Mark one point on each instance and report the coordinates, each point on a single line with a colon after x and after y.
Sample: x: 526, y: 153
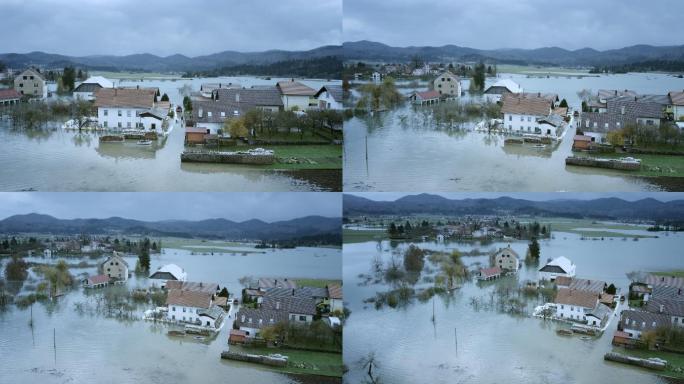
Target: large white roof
x: 104, y: 83
x: 175, y: 270
x: 562, y: 262
x: 509, y: 84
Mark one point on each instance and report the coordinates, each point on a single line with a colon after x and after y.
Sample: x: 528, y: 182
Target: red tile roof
x: 428, y: 95
x: 584, y: 299
x: 334, y: 291
x: 537, y: 106
x: 9, y: 94
x: 489, y: 272
x: 98, y: 279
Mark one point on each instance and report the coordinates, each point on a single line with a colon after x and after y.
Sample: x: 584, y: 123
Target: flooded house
x: 299, y: 310
x: 531, y: 114
x: 31, y: 83
x: 296, y: 95
x: 677, y: 104
x: 496, y: 91
x: 424, y: 98
x: 86, y: 90
x: 9, y: 97
x: 190, y: 307
x: 97, y: 281
x: 573, y: 283
x: 575, y: 305
x: 169, y: 272
x: 447, y: 84
x: 252, y: 321
x: 130, y: 108
x: 335, y: 298
x: 507, y: 259
x: 634, y: 323
x: 115, y: 267
x: 210, y: 115
x: 560, y: 266
x: 330, y: 97
x: 485, y: 274
x: 620, y: 112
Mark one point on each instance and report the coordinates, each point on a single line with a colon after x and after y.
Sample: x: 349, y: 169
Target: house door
x: 154, y: 126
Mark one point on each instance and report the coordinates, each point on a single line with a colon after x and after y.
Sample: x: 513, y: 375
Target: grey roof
x: 635, y: 108
x: 250, y: 97
x: 159, y: 113
x: 666, y: 306
x: 290, y: 304
x: 88, y: 87
x: 600, y: 312
x: 201, y: 111
x: 643, y: 321
x: 658, y: 99
x: 668, y: 292
x: 333, y: 90
x: 214, y: 312
x: 605, y: 94
x: 251, y: 317
x: 671, y: 281
x: 267, y: 282
x: 303, y: 292
x: 552, y: 119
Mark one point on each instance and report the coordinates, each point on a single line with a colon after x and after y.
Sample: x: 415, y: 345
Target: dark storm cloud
x: 169, y: 206
x: 491, y: 24
x: 189, y: 27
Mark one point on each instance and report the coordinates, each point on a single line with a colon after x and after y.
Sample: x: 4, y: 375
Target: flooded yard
x: 404, y: 150
x: 51, y: 159
x: 470, y: 340
x: 136, y: 350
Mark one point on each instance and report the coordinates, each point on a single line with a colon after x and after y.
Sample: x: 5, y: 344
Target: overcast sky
x: 189, y: 27
x: 182, y: 206
x: 491, y: 24
x: 540, y: 196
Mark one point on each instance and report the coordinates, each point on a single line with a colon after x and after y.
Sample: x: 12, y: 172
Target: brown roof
x: 582, y: 138
x: 295, y: 88
x: 192, y: 286
x: 334, y: 291
x: 584, y: 299
x: 194, y: 299
x: 98, y: 279
x: 677, y: 98
x: 221, y: 301
x: 607, y: 298
x: 536, y: 106
x: 9, y: 94
x: 561, y: 111
x: 574, y: 283
x: 488, y: 272
x: 428, y: 95
x: 125, y: 97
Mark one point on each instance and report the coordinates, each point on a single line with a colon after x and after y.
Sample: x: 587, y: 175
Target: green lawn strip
x: 361, y: 236
x: 300, y: 361
x: 675, y: 360
x: 598, y: 234
x: 198, y: 245
x: 675, y: 273
x: 672, y: 166
x: 318, y: 283
x: 580, y: 227
x: 530, y: 70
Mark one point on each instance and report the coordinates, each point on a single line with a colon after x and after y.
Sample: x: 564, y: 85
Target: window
x: 302, y: 318
x: 223, y: 114
x: 118, y: 111
x: 522, y: 118
x: 128, y: 124
x: 128, y: 113
x: 105, y: 124
x: 510, y: 126
x: 529, y: 118
x: 105, y: 112
x: 510, y: 117
x: 21, y: 85
x: 209, y: 113
x: 183, y: 310
x: 173, y: 309
x: 118, y: 124
x: 31, y: 77
x: 606, y: 125
x: 25, y: 77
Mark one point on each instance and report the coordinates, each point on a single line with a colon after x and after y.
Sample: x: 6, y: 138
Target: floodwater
x: 403, y: 150
x: 92, y: 348
x: 469, y: 345
x: 52, y: 159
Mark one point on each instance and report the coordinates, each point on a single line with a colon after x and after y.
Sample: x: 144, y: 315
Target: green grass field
x: 675, y: 360
x: 361, y: 236
x: 581, y: 227
x: 318, y: 283
x: 539, y: 71
x: 198, y: 245
x: 302, y: 362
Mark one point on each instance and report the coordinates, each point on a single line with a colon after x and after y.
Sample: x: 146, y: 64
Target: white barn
x: 560, y: 266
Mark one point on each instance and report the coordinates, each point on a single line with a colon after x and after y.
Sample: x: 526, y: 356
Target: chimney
x: 622, y: 110
x: 293, y: 291
x: 200, y: 112
x: 243, y: 318
x: 662, y: 308
x: 278, y: 305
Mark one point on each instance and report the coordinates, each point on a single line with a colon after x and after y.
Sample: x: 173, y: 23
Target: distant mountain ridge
x: 172, y: 63
x: 604, y: 208
x: 304, y: 227
x: 370, y: 50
